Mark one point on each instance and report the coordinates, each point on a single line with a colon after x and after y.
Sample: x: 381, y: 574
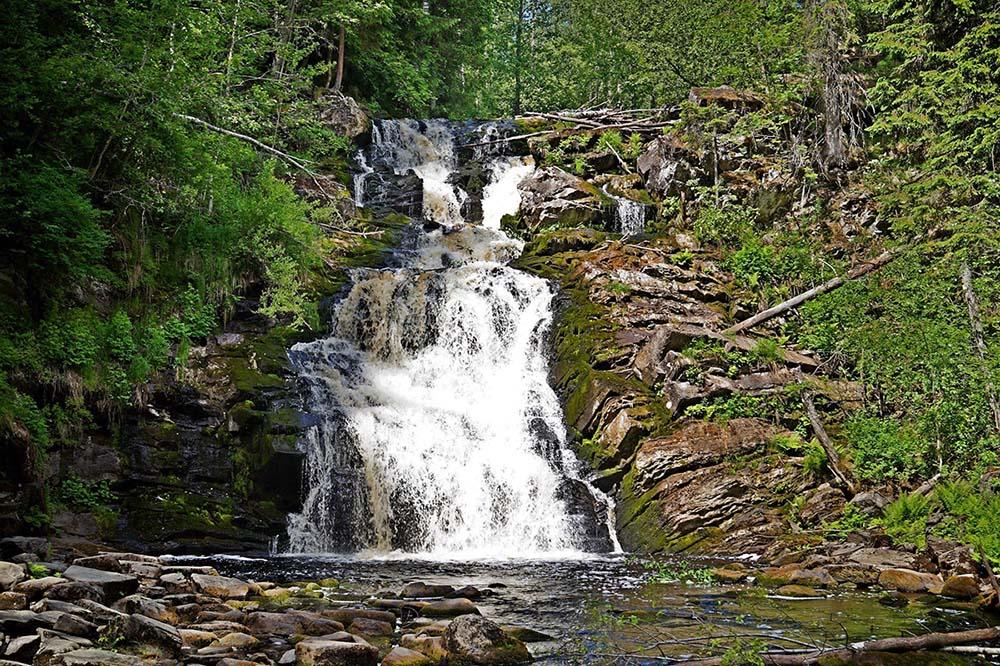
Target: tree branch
x: 295, y: 162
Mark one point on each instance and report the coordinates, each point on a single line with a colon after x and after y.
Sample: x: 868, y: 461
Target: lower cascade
x: 438, y: 433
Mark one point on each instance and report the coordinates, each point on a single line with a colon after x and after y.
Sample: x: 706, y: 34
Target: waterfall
x: 438, y: 431
x: 630, y: 215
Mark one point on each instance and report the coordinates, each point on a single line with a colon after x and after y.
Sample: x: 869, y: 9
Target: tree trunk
x: 518, y: 45
x: 341, y: 47
x: 979, y: 341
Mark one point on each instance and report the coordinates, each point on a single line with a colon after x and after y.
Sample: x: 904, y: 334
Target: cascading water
x: 439, y: 433
x: 630, y: 216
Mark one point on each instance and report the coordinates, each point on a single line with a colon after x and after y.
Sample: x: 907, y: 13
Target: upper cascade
x: 438, y: 433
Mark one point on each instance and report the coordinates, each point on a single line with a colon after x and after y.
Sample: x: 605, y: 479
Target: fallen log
x: 832, y: 457
x: 925, y: 642
x: 829, y: 285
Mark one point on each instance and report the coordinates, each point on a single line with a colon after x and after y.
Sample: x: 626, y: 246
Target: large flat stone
x: 113, y: 585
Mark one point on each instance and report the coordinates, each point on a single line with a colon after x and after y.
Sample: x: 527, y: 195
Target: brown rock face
x: 907, y: 580
x: 965, y: 586
x: 552, y: 196
x: 473, y: 639
x: 344, y: 115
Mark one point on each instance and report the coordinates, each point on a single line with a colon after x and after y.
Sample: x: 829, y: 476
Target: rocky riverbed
x: 125, y: 608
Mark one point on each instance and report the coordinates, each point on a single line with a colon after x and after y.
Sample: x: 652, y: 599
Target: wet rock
x: 797, y: 591
x: 13, y: 601
x: 474, y: 639
x: 794, y: 574
x: 467, y: 592
x: 344, y: 650
x: 347, y: 615
x: 343, y: 115
x: 963, y: 586
x: 730, y: 575
x: 419, y: 589
x: 907, y: 580
x: 10, y: 575
x: 112, y: 585
x: 220, y: 586
x: 367, y: 627
x: 449, y: 608
x: 526, y: 635
x: 857, y: 574
x: 291, y: 623
x: 401, y: 656
x: 94, y: 657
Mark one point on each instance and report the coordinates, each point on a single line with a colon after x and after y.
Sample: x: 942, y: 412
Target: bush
x: 905, y: 520
x: 886, y: 450
x: 971, y: 516
x: 726, y: 224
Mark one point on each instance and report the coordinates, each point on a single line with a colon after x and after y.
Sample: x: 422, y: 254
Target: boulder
x: 291, y: 623
x: 20, y: 622
x: 143, y: 630
x: 176, y: 583
x: 137, y: 603
x: 963, y: 586
x: 324, y: 651
x: 794, y: 574
x: 449, y: 608
x: 13, y: 601
x: 467, y: 592
x: 431, y: 646
x: 418, y: 590
x: 907, y: 580
x: 367, y: 627
x: 554, y: 197
x: 112, y: 585
x: 401, y: 656
x: 22, y: 648
x: 94, y: 657
x: 800, y: 591
x: 476, y: 640
x: 100, y: 612
x: 10, y: 575
x: 857, y: 574
x: 74, y: 591
x: 666, y: 166
x: 220, y: 586
x: 238, y: 640
x: 75, y: 626
x: 34, y: 588
x: 343, y: 115
x: 526, y: 635
x: 347, y: 615
x: 824, y: 503
x: 197, y: 639
x: 52, y: 645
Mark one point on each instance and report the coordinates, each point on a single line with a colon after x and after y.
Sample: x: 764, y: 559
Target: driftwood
x: 978, y: 339
x: 934, y: 641
x: 832, y: 457
x: 853, y: 274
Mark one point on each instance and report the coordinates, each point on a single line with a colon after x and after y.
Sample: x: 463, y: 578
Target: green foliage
x: 905, y: 520
x: 85, y: 495
x: 852, y: 520
x: 36, y: 570
x: 744, y: 653
x: 677, y: 572
x: 971, y: 516
x: 885, y: 449
x: 724, y: 225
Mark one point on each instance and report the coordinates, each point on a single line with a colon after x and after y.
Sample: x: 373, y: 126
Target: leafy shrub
x: 884, y: 449
x: 85, y: 495
x: 724, y: 225
x: 971, y: 516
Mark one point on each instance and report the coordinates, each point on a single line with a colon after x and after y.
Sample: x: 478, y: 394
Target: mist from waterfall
x: 438, y: 432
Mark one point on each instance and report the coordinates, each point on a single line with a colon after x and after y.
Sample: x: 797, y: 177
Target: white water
x: 439, y: 432
x: 501, y: 197
x: 630, y: 216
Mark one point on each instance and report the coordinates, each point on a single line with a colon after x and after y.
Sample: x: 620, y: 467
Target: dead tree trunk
x: 979, y: 341
x: 341, y: 47
x: 832, y: 457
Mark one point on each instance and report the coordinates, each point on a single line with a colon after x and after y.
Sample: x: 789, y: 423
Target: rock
x: 20, y: 622
x: 797, y: 591
x: 75, y: 626
x: 34, y: 588
x: 367, y: 627
x: 220, y: 586
x: 229, y: 661
x: 137, y: 603
x: 196, y: 638
x: 112, y: 585
x: 219, y: 627
x: 343, y: 115
x: 526, y: 635
x: 13, y: 601
x: 418, y: 590
x: 449, y: 608
x: 907, y: 580
x: 858, y: 574
x: 99, y: 611
x: 94, y: 657
x: 474, y: 639
x: 22, y: 648
x: 467, y: 592
x: 870, y: 503
x: 52, y: 645
x: 291, y: 623
x: 885, y: 558
x: 10, y: 575
x: 347, y: 615
x: 287, y: 658
x: 554, y: 197
x: 326, y: 652
x: 963, y: 586
x: 667, y: 165
x: 176, y: 583
x: 431, y: 646
x: 728, y: 575
x: 146, y: 631
x: 824, y: 503
x: 238, y: 640
x: 74, y: 591
x: 794, y: 574
x: 401, y: 656
x: 115, y: 562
